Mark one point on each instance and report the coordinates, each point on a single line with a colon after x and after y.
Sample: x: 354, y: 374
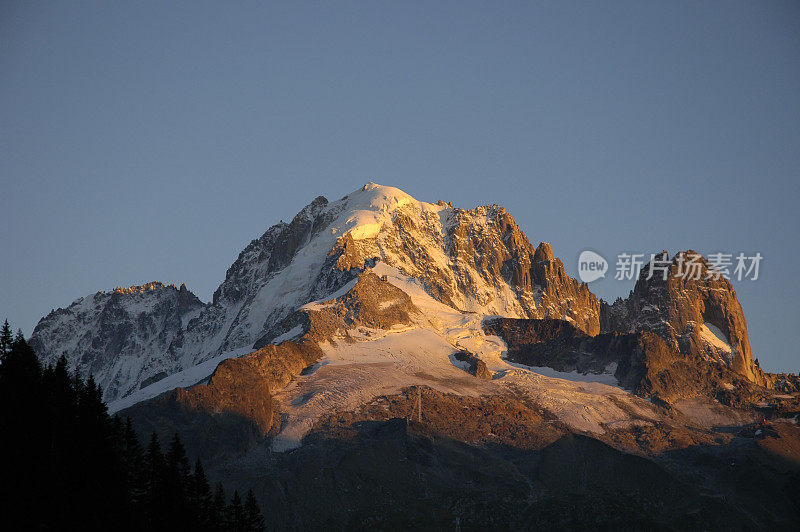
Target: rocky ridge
x: 122, y: 337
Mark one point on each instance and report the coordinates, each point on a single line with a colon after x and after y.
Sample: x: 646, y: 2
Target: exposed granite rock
x: 543, y: 287
x: 677, y: 309
x: 562, y: 296
x: 372, y: 303
x: 544, y: 253
x: 641, y: 361
x: 475, y: 259
x: 229, y: 314
x: 234, y: 409
x: 558, y: 344
x: 780, y: 382
x: 474, y: 365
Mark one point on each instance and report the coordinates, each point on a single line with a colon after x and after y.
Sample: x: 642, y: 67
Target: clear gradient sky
x: 148, y: 141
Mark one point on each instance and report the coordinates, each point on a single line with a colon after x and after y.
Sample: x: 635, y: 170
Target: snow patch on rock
x: 713, y: 336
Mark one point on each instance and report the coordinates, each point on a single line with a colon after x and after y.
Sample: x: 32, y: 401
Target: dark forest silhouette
x: 67, y: 464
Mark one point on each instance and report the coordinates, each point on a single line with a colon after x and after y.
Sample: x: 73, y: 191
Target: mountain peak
x: 366, y: 211
x: 543, y: 253
x: 473, y: 260
x: 691, y: 308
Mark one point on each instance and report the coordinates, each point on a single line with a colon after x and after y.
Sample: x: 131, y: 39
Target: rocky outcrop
x: 640, y: 361
x: 558, y: 344
x: 371, y: 302
x: 473, y: 365
x: 780, y: 382
x: 476, y: 260
x: 259, y: 289
x: 501, y: 253
x: 563, y: 297
x: 693, y: 309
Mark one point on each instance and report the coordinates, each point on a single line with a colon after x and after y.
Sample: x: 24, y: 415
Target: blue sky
x: 143, y: 141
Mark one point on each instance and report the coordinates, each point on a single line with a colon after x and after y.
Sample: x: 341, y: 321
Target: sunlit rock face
x: 474, y: 260
x: 698, y: 314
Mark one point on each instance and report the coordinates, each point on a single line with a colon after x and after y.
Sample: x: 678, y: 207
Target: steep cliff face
x: 124, y: 337
x: 562, y: 296
x: 474, y: 260
x: 694, y: 310
x: 275, y: 274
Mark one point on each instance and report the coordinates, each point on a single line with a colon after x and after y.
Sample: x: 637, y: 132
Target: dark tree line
x: 65, y: 463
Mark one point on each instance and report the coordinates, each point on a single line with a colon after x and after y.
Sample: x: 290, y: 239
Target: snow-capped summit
x: 474, y: 260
